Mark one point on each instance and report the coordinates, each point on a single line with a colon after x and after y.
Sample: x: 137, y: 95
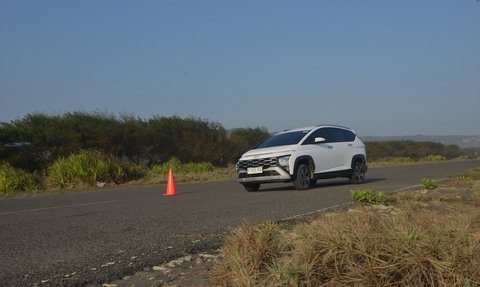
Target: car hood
x: 269, y: 152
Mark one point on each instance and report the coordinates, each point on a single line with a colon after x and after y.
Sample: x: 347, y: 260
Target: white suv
x: 304, y: 155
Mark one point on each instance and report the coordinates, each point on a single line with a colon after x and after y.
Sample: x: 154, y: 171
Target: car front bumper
x: 269, y: 175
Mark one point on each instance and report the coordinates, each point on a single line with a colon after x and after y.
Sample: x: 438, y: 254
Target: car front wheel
x: 302, y: 177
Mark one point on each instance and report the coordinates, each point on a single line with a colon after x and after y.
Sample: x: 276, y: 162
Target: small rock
x: 101, y: 184
x: 160, y: 268
x: 187, y: 258
x: 174, y: 263
x: 109, y: 285
x: 207, y: 256
x: 108, y: 264
x: 382, y: 207
x: 198, y: 261
x: 133, y: 257
x: 44, y: 281
x: 126, y: 278
x: 93, y: 269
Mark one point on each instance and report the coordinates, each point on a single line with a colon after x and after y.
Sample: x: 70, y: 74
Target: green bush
x: 433, y: 158
x: 90, y: 167
x: 429, y: 183
x: 180, y: 168
x: 368, y: 195
x: 16, y: 180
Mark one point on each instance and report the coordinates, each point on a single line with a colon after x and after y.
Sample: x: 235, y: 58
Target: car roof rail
x: 335, y: 126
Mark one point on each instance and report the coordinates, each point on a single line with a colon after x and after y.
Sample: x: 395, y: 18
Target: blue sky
x: 381, y: 67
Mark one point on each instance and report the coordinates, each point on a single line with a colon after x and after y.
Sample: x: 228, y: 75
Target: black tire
x: 251, y: 186
x: 358, y: 172
x: 302, y: 177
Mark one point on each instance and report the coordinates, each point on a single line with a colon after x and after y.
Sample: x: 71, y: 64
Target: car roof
x: 314, y: 127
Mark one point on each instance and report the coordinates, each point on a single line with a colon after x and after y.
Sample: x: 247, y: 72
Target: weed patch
x: 16, y: 180
x: 428, y: 183
x: 460, y: 182
x: 368, y: 195
x: 474, y: 173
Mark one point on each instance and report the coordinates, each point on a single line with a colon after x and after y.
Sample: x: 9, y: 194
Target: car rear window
x: 349, y: 136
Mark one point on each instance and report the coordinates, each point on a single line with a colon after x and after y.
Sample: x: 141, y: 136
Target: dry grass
x: 422, y: 238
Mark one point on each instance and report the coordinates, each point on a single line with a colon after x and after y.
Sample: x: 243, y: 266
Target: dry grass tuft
x: 248, y: 253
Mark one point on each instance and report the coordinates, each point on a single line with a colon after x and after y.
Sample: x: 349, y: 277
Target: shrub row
x: 37, y: 140
x: 89, y: 168
x: 411, y: 151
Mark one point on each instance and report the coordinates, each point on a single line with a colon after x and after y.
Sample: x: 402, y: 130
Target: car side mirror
x: 320, y: 140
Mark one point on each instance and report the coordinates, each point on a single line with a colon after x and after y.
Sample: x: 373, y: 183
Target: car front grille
x: 263, y: 162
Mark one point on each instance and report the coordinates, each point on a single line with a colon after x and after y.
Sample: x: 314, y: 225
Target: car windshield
x: 283, y: 139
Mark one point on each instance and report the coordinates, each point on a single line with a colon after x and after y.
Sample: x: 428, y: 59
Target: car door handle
x: 330, y: 146
x: 350, y: 144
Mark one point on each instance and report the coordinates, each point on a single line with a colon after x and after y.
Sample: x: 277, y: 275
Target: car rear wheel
x: 251, y: 186
x: 302, y: 177
x: 358, y: 173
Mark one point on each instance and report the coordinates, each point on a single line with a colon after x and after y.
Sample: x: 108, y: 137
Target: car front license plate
x: 254, y: 170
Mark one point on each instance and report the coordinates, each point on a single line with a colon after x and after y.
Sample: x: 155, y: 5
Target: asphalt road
x: 84, y: 237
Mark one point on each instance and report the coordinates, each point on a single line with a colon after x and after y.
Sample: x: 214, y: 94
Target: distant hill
x: 461, y: 141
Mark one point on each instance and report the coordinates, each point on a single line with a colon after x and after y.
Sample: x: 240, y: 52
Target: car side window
x: 336, y: 135
x: 320, y: 133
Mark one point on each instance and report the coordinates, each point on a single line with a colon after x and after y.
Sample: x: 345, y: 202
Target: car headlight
x: 283, y: 162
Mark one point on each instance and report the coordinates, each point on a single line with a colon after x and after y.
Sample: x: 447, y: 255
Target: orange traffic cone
x: 171, y: 190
